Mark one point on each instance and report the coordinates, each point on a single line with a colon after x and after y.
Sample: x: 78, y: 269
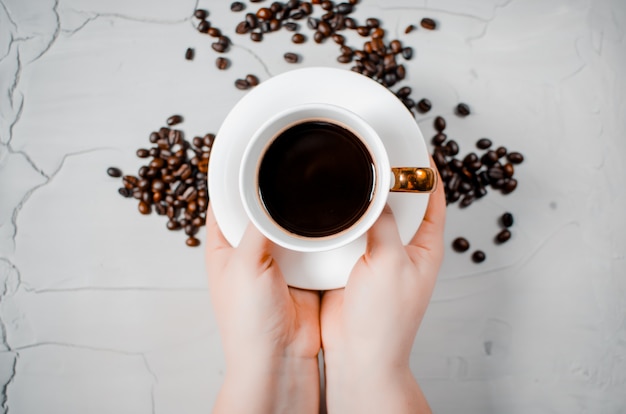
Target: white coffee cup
x: 384, y: 178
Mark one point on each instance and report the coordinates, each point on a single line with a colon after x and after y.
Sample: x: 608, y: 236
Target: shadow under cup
x: 315, y: 177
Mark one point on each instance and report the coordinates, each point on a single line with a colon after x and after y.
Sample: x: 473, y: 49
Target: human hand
x: 368, y: 328
x: 270, y: 332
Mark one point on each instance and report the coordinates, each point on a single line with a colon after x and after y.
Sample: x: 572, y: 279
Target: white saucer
x: 376, y: 104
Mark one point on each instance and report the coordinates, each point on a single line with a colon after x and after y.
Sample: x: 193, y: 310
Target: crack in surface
x: 3, y: 393
x: 49, y: 179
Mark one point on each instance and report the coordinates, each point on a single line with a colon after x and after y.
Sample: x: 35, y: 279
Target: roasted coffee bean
x: 508, y: 170
x: 439, y: 158
x: 173, y: 224
x: 372, y: 22
x: 214, y: 32
x: 252, y: 80
x: 483, y: 143
x: 509, y: 185
x: 174, y: 120
x: 407, y: 53
x: 350, y: 23
x: 144, y: 208
x: 428, y: 23
x: 204, y: 26
x: 275, y: 25
x: 242, y: 84
x: 192, y: 242
x: 200, y: 14
x: 515, y: 157
x: 252, y: 20
x: 462, y: 109
x: 440, y: 123
x: 363, y: 31
x: 424, y: 106
x: 256, y: 36
x: 130, y: 181
x: 344, y: 58
x: 114, y: 172
x: 143, y: 171
x: 409, y: 29
x: 298, y: 38
x: 154, y: 136
x: 312, y: 23
x: 507, y: 220
x: 125, y: 192
x: 219, y: 47
x: 404, y: 92
x: 378, y: 33
x: 242, y: 28
x: 501, y: 151
x: 291, y: 57
x: 264, y: 13
x: 222, y: 63
x: 467, y: 200
x: 478, y: 256
x: 451, y: 148
x: 489, y: 158
x: 344, y: 8
x: 503, y: 236
x: 327, y: 5
x: 460, y: 244
x: 480, y: 191
x: 237, y: 6
x: 465, y: 187
x: 495, y: 173
x: 339, y: 39
x: 291, y: 26
x: 143, y: 153
x: 189, y: 54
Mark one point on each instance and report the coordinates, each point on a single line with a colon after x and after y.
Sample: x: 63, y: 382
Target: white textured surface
x: 102, y: 310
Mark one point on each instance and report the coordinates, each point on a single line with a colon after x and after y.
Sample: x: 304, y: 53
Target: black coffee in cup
x: 316, y: 179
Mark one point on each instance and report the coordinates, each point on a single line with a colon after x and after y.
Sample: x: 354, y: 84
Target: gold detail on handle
x: 414, y: 180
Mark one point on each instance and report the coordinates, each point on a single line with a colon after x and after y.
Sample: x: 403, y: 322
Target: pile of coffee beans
x: 466, y: 178
x: 173, y: 183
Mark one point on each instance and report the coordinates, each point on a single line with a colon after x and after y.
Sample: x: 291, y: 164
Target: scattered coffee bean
x: 114, y: 172
x: 428, y: 23
x: 503, y: 236
x: 483, y: 143
x: 298, y: 38
x: 200, y: 14
x: 189, y: 54
x: 237, y: 6
x: 460, y: 244
x: 144, y: 207
x: 143, y: 153
x: 192, y: 242
x: 291, y: 57
x: 242, y: 84
x: 440, y: 123
x: 478, y: 256
x: 256, y: 36
x: 204, y: 26
x: 409, y: 29
x: 174, y: 120
x: 424, y: 106
x: 252, y: 80
x: 125, y: 192
x: 515, y: 157
x: 462, y: 109
x: 222, y: 63
x: 507, y: 220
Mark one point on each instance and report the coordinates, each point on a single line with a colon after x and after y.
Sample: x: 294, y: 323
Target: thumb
x: 255, y: 249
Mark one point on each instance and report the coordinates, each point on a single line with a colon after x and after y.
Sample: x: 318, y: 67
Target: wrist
x: 279, y: 384
x: 372, y: 386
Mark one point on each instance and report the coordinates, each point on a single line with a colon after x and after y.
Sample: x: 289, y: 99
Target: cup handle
x: 413, y: 180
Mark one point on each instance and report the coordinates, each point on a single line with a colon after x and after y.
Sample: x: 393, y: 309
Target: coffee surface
x: 316, y: 179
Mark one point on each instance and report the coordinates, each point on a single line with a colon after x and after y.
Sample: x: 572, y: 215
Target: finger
x: 215, y: 239
x: 384, y: 233
x: 430, y: 233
